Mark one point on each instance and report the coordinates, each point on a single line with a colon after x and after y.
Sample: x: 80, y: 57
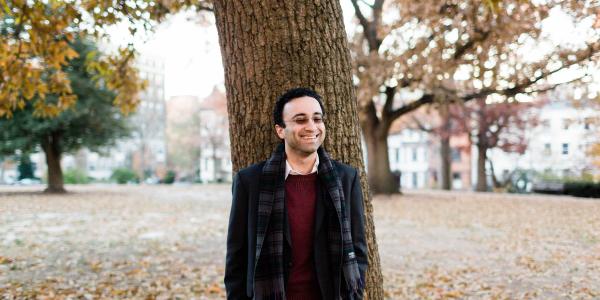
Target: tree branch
x: 421, y: 126
x: 520, y: 88
x: 369, y: 28
x: 390, y: 92
x: 361, y: 18
x: 552, y: 87
x: 204, y: 7
x: 460, y: 51
x: 369, y: 117
x: 367, y: 4
x: 425, y: 99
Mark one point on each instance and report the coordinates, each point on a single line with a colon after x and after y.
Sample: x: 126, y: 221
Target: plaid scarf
x: 269, y: 282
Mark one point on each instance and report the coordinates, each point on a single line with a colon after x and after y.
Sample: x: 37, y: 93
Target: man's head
x: 299, y: 120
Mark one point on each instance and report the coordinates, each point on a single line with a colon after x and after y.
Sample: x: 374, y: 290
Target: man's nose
x: 311, y: 125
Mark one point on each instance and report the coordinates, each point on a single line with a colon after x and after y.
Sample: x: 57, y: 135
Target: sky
x: 193, y: 64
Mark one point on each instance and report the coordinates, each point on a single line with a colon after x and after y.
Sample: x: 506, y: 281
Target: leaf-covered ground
x: 168, y: 242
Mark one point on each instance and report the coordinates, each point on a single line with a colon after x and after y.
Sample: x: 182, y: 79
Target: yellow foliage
x: 37, y: 47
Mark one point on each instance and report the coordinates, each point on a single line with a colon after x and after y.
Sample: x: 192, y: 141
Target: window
x: 398, y: 155
x: 546, y: 123
x: 587, y: 123
x: 455, y: 154
x: 547, y: 149
x: 414, y: 179
x: 414, y: 154
x: 456, y: 181
x: 567, y: 123
x: 565, y: 148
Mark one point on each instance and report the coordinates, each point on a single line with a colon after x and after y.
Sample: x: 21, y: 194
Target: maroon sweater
x: 301, y: 199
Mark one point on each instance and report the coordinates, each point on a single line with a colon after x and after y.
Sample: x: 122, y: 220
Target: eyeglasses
x: 303, y: 121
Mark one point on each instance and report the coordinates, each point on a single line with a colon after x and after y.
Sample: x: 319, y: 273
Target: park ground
x: 168, y: 242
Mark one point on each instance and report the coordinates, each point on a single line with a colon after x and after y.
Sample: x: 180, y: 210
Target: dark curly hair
x: 288, y: 96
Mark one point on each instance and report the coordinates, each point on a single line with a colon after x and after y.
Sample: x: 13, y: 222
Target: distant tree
x: 443, y: 123
x: 36, y: 39
x: 26, y: 167
x: 408, y: 54
x: 497, y: 125
x: 93, y: 122
x: 184, y: 123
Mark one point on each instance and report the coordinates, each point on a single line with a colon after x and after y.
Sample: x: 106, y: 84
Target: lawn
x: 168, y: 242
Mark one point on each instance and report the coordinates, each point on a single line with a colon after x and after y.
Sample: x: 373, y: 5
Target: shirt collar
x: 289, y: 170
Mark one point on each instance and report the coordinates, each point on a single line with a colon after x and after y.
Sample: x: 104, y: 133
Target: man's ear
x: 279, y: 130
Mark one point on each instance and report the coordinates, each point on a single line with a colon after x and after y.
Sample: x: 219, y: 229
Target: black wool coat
x: 241, y: 235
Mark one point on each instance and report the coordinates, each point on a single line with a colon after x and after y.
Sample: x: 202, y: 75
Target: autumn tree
x: 269, y: 47
x: 415, y: 53
x: 35, y: 46
x: 443, y: 122
x: 214, y: 133
x: 93, y: 122
x: 500, y: 125
x: 184, y: 126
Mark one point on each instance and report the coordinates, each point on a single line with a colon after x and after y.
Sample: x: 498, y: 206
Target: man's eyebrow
x: 304, y: 115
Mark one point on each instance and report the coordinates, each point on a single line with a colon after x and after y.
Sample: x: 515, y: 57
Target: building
x: 215, y: 157
x: 198, y: 134
x: 149, y: 149
x: 557, y: 146
x: 183, y: 136
x: 460, y: 165
x: 409, y: 151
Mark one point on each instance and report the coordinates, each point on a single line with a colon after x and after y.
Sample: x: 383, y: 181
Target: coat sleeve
x: 358, y: 228
x: 237, y: 246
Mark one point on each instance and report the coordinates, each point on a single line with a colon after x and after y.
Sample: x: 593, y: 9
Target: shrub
x: 169, y: 177
x: 124, y: 175
x: 75, y: 176
x: 585, y: 189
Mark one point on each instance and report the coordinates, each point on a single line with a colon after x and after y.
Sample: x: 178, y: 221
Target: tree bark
x: 446, y: 156
x: 482, y: 185
x: 2, y: 162
x: 51, y: 147
x: 375, y: 132
x: 446, y: 151
x: 381, y: 178
x: 269, y: 47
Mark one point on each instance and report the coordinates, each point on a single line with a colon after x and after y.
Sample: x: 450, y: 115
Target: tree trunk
x: 446, y: 156
x: 375, y: 132
x: 481, y: 174
x: 51, y: 147
x: 495, y: 182
x: 445, y: 149
x: 269, y: 47
x: 2, y: 162
x: 381, y: 178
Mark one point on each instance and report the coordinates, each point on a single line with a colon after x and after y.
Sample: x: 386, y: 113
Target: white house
x: 409, y: 152
x: 557, y: 146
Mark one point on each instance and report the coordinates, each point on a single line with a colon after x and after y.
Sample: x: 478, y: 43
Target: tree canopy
x: 413, y: 53
x: 92, y: 122
x: 36, y: 43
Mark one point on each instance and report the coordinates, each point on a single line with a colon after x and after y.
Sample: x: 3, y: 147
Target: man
x: 296, y: 228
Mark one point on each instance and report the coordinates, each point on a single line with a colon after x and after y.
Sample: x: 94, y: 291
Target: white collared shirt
x: 289, y: 170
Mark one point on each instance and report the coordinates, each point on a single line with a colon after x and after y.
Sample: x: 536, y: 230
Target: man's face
x: 304, y: 130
